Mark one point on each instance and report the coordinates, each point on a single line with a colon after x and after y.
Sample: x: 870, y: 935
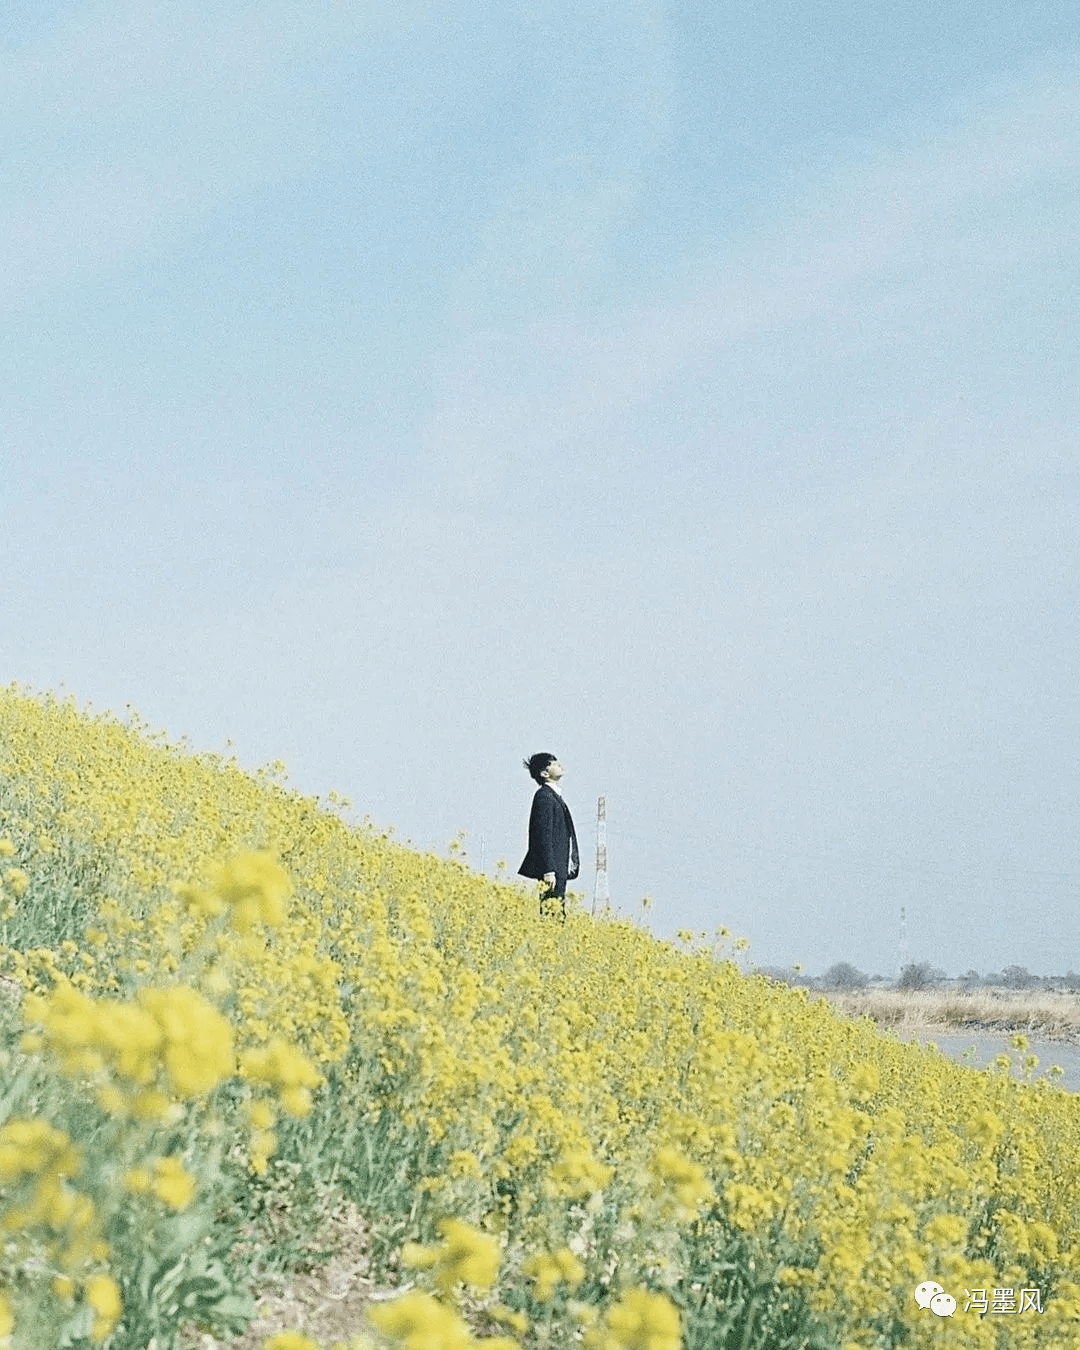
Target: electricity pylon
x: 601, y: 903
x: 902, y: 955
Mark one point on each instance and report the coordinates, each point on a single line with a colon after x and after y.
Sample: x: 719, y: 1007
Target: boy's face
x: 554, y: 771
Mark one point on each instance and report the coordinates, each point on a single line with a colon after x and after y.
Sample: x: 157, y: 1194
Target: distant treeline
x: 923, y: 975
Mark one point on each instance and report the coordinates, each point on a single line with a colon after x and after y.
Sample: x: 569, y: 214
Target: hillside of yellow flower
x: 577, y: 1134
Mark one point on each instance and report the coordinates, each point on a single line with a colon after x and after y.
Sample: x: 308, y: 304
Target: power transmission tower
x: 903, y: 957
x: 601, y: 904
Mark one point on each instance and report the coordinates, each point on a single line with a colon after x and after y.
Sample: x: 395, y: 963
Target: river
x: 989, y: 1044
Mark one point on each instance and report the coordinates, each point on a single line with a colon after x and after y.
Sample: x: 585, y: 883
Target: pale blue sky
x: 689, y: 390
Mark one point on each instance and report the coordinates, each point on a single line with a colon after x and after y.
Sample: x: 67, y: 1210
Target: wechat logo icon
x: 930, y: 1295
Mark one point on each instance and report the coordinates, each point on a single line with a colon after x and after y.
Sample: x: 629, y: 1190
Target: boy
x: 553, y: 847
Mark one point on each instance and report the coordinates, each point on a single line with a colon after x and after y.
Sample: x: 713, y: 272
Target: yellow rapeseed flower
x: 296, y: 1101
x: 199, y: 900
x: 465, y: 1256
x: 198, y: 1050
x: 263, y: 1143
x: 685, y: 1179
x: 289, y: 1340
x: 945, y: 1230
x: 286, y: 1067
x: 549, y: 1270
x: 417, y: 1321
x: 134, y: 1036
x: 137, y: 1180
x: 255, y: 886
x: 463, y: 1163
x: 103, y: 1295
x: 16, y: 881
x: 261, y: 1114
x: 152, y: 1104
x: 29, y: 1147
x: 641, y: 1320
x: 986, y: 1128
x: 111, y: 1099
x: 577, y: 1174
x: 172, y: 1184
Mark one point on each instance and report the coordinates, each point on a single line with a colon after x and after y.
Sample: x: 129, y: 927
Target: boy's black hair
x: 538, y: 763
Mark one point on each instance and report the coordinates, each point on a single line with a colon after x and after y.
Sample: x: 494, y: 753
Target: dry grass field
x: 1048, y: 1013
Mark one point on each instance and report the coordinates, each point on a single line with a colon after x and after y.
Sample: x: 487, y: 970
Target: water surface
x: 989, y: 1044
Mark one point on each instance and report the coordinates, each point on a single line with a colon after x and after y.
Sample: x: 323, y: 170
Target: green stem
x: 744, y: 1344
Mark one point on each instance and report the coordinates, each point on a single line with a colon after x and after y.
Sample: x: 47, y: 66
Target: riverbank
x: 1051, y: 1015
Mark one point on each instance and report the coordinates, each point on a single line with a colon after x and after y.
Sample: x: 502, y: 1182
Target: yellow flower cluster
x: 170, y: 1182
x: 36, y: 1155
x: 103, y: 1295
x: 14, y: 881
x: 549, y: 1270
x: 29, y: 1147
x: 685, y: 1180
x: 175, y: 1030
x: 290, y: 1340
x: 639, y: 1321
x: 253, y: 887
x: 287, y: 1068
x: 465, y: 1256
x: 417, y: 1321
x: 577, y: 1174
